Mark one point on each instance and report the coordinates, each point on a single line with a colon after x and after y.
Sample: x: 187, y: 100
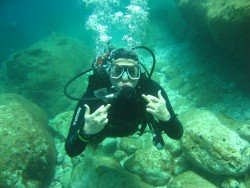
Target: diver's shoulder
x: 150, y: 82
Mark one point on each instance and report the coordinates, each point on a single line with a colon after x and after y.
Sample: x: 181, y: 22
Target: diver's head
x: 124, y: 70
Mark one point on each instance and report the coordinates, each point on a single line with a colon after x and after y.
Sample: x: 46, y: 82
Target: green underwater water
x: 25, y: 22
x: 202, y: 63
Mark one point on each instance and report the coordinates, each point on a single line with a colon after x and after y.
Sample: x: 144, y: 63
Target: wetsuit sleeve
x: 73, y: 145
x: 173, y: 127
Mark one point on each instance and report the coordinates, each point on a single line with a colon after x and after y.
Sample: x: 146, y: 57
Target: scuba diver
x: 120, y: 100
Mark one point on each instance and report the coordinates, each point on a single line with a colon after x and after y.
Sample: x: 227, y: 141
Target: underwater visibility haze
x: 202, y: 51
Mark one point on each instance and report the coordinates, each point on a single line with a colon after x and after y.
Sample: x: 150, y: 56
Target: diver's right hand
x: 96, y: 121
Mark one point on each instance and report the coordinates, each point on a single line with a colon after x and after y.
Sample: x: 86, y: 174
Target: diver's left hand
x: 157, y: 107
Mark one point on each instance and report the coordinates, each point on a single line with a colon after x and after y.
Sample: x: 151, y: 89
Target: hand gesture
x: 157, y: 107
x: 96, y: 121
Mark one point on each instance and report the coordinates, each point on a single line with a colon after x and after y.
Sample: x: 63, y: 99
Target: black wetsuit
x: 124, y: 118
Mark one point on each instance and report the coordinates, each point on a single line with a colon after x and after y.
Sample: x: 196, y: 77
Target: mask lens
x: 116, y: 71
x: 133, y: 72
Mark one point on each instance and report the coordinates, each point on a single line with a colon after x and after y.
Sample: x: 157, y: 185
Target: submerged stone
x: 40, y: 72
x: 213, y: 147
x: 28, y: 156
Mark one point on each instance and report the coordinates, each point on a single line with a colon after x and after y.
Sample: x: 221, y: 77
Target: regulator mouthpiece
x: 127, y: 93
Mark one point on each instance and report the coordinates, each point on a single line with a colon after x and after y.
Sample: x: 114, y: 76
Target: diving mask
x: 116, y: 71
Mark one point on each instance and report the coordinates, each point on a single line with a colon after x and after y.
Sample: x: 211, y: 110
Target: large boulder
x: 212, y: 146
x: 40, y: 72
x: 103, y: 172
x: 27, y: 157
x: 191, y: 180
x: 228, y: 22
x: 152, y: 165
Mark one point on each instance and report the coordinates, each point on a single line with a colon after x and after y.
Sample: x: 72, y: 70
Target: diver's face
x: 124, y: 72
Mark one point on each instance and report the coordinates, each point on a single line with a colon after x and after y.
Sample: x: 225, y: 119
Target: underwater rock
x: 107, y: 147
x: 40, y: 72
x: 119, y: 155
x: 244, y: 132
x: 101, y: 171
x: 152, y: 165
x: 130, y: 145
x: 228, y: 22
x: 191, y: 180
x: 104, y: 176
x: 59, y: 127
x: 231, y: 183
x: 246, y: 180
x: 27, y: 157
x: 212, y: 146
x: 60, y: 124
x: 64, y: 166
